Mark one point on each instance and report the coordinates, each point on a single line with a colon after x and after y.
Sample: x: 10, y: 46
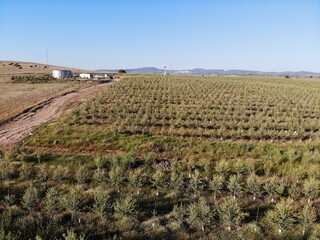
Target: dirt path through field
x: 23, y: 125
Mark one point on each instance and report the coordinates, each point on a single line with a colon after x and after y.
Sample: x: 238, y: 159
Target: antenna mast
x: 47, y: 56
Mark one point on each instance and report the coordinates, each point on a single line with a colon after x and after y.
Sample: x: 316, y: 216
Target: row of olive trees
x: 283, y: 218
x: 199, y: 215
x: 251, y: 118
x: 245, y: 182
x: 74, y: 201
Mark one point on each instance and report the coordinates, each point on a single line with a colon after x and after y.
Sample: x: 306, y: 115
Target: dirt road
x: 23, y: 125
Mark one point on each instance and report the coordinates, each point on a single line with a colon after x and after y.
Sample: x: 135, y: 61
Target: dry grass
x: 14, y: 98
x: 13, y: 67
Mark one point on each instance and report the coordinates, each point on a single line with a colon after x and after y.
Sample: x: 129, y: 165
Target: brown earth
x: 22, y: 126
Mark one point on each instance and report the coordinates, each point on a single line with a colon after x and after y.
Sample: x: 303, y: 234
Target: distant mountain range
x: 200, y: 71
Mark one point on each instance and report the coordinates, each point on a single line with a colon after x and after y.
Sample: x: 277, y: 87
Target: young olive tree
x: 295, y: 191
x: 253, y: 186
x: 176, y: 183
x: 243, y: 167
x: 158, y: 180
x: 30, y: 198
x: 43, y: 174
x: 282, y: 217
x: 82, y: 175
x: 51, y: 200
x: 101, y: 202
x: 73, y: 200
x: 100, y: 161
x: 234, y: 185
x: 274, y: 187
x: 222, y: 168
x: 179, y: 213
x: 8, y: 201
x: 200, y: 214
x: 136, y: 179
x: 251, y: 231
x: 60, y: 173
x: 311, y: 188
x: 230, y: 213
x: 125, y: 206
x: 116, y: 177
x: 195, y: 182
x: 99, y: 176
x: 307, y: 217
x: 71, y: 235
x: 216, y: 185
x: 150, y: 157
x: 26, y: 172
x: 6, y: 168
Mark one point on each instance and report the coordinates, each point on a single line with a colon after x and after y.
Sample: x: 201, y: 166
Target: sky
x: 273, y: 35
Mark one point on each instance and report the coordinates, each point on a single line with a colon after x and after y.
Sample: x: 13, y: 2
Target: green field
x: 173, y: 157
x: 212, y: 108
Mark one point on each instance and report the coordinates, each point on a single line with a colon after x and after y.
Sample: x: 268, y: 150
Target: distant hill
x: 9, y: 68
x: 201, y: 71
x: 145, y: 70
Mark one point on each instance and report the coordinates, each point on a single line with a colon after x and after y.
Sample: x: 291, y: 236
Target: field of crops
x: 129, y: 196
x: 172, y: 157
x: 220, y: 108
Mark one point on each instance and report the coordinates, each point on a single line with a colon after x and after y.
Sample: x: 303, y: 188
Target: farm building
x: 61, y: 73
x: 85, y: 75
x: 93, y: 75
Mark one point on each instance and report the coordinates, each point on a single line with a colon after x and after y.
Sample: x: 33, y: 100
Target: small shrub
x: 30, y: 198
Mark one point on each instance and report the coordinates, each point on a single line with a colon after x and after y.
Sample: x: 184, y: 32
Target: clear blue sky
x: 273, y: 35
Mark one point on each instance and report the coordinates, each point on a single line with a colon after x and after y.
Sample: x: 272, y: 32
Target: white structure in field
x: 85, y: 75
x: 93, y: 76
x: 61, y: 73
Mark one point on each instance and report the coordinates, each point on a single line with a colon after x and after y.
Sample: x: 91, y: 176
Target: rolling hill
x: 201, y: 71
x: 10, y: 68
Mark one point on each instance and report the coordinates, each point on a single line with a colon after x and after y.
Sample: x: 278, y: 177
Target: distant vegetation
x: 43, y: 78
x: 166, y: 157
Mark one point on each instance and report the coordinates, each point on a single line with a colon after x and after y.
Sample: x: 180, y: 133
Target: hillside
x: 10, y: 68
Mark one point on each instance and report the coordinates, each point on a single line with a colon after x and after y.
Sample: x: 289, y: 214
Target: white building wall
x: 56, y: 73
x: 85, y: 75
x: 61, y: 73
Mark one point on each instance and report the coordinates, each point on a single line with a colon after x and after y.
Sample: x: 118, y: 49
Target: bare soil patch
x: 23, y: 125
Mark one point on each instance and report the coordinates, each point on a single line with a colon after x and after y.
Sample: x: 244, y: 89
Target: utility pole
x: 47, y: 57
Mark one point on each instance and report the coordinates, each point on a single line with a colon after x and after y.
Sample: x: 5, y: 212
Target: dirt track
x: 23, y: 125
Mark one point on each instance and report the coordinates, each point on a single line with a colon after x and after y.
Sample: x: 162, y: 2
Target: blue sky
x: 273, y: 35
